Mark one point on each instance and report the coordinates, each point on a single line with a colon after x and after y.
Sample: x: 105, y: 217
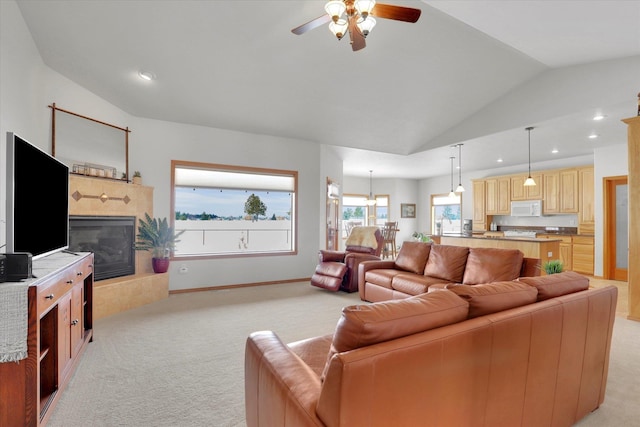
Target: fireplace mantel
x: 108, y: 197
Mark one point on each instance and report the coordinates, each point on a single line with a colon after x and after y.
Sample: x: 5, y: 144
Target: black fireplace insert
x: 110, y: 238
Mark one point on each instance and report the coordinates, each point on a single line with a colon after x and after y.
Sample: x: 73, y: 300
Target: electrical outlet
x: 549, y: 254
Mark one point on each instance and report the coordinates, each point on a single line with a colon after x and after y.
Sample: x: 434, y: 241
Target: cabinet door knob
x: 50, y: 296
x: 79, y: 273
x: 75, y: 322
x: 69, y: 281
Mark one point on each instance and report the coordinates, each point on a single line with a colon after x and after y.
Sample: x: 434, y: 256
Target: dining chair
x: 389, y: 239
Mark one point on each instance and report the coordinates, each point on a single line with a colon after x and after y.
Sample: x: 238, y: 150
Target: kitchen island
x: 531, y: 247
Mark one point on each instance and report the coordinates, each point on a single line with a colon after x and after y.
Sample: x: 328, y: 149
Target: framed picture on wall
x: 407, y: 210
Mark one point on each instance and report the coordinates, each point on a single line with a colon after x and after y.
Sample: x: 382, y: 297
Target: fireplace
x: 110, y: 238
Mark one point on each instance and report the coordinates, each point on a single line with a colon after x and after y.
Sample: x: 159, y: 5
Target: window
x: 446, y: 215
x: 233, y: 210
x: 356, y: 212
x: 382, y: 209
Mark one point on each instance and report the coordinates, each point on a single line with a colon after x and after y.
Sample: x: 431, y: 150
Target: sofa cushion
x: 363, y: 325
x: 414, y: 284
x: 493, y: 297
x: 413, y: 256
x: 447, y: 262
x: 381, y: 276
x: 554, y: 285
x: 486, y: 265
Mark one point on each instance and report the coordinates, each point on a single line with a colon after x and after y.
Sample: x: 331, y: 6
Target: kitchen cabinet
x: 520, y: 192
x: 565, y: 250
x: 60, y: 319
x: 582, y: 257
x: 498, y: 196
x: 586, y: 216
x: 568, y: 181
x: 551, y: 196
x: 479, y: 207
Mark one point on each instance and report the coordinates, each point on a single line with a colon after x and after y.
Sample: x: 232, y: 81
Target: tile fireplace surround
x: 105, y: 197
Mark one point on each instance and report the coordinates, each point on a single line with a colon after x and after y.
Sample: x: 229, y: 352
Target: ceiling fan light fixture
x: 335, y: 9
x: 339, y: 28
x: 366, y: 25
x: 364, y: 7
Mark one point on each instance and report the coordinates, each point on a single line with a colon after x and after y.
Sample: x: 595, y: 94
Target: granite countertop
x: 519, y: 238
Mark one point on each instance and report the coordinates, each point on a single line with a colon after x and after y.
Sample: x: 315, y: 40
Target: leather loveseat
x: 338, y: 270
x: 532, y: 352
x: 421, y: 267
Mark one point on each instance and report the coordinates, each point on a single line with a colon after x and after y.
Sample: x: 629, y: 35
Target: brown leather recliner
x: 338, y: 270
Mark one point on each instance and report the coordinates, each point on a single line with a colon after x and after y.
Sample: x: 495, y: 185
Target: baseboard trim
x: 240, y: 285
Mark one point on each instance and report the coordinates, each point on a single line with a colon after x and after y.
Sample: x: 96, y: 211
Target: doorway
x: 616, y: 228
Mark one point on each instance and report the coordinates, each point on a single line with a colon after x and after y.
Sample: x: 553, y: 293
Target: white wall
x: 27, y: 87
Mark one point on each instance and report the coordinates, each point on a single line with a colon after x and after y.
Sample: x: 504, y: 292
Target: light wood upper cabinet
x: 498, y: 196
x: 551, y: 197
x: 520, y: 192
x: 479, y: 209
x: 586, y: 215
x: 569, y: 191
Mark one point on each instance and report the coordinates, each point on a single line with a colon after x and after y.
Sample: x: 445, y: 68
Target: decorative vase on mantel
x: 137, y: 178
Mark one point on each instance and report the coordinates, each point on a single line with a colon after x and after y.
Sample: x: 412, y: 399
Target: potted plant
x: 553, y: 266
x: 137, y: 177
x: 155, y: 235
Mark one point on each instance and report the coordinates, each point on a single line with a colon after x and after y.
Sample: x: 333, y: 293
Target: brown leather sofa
x: 421, y: 267
x: 532, y: 352
x: 338, y: 270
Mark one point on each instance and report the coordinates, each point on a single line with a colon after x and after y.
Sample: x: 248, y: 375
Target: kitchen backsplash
x: 562, y: 221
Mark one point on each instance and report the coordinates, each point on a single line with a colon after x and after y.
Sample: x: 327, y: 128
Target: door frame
x: 609, y: 207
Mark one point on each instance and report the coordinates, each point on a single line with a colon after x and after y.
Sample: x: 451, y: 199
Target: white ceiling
x: 473, y: 72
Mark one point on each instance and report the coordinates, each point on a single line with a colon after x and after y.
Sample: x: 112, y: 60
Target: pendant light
x: 452, y: 195
x: 529, y: 182
x: 371, y: 200
x: 460, y: 188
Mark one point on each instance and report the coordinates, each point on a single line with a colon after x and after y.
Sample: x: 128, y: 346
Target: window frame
x: 176, y: 164
x: 434, y: 231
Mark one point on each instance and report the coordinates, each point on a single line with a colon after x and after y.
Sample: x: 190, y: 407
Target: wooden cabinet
x: 479, y: 209
x: 566, y: 250
x: 60, y: 325
x: 568, y: 188
x: 520, y: 192
x: 586, y: 211
x: 583, y: 254
x: 551, y: 196
x: 498, y: 195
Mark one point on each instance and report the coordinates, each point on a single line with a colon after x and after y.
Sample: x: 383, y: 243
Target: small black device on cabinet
x: 15, y: 266
x: 3, y: 268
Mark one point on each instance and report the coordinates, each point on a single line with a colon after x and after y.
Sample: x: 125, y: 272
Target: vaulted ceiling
x: 474, y: 72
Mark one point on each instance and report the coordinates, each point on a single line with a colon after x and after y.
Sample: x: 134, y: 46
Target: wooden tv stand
x: 60, y: 325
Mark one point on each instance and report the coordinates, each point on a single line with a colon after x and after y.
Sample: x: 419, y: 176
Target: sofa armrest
x: 353, y: 260
x: 365, y: 266
x: 280, y: 389
x: 331, y: 256
x: 531, y: 267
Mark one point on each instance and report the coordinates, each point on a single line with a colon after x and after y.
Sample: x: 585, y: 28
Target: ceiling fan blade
x: 314, y: 23
x: 399, y: 13
x: 357, y: 39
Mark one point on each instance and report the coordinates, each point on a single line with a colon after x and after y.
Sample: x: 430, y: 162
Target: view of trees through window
x: 228, y: 210
x: 446, y: 215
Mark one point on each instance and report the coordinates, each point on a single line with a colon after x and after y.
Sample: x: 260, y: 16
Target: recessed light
x: 593, y: 136
x: 599, y: 117
x: 499, y: 160
x: 146, y: 75
x: 554, y: 151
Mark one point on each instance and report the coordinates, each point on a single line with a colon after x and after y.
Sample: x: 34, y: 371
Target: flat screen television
x: 37, y: 200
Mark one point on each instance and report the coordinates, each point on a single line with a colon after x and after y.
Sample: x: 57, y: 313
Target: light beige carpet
x: 180, y: 362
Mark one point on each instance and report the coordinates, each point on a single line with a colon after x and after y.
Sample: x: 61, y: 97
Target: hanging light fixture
x: 529, y: 182
x: 451, y: 193
x: 371, y: 200
x: 358, y: 10
x: 460, y: 188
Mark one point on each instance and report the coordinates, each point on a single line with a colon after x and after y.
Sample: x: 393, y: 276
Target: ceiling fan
x: 359, y: 18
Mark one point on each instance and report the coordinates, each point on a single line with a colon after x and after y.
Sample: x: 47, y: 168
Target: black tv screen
x: 37, y: 200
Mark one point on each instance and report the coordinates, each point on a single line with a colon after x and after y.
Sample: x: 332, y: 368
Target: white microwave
x: 526, y: 208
